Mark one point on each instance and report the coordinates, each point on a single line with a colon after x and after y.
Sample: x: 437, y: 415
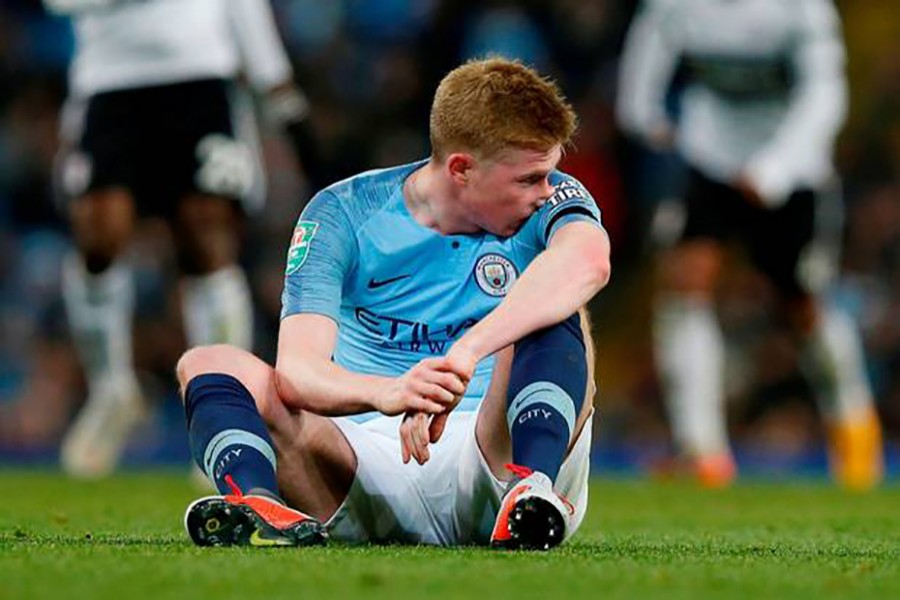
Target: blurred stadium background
x: 370, y: 67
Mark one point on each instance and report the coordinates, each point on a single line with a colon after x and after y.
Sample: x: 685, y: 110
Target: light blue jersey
x: 401, y: 292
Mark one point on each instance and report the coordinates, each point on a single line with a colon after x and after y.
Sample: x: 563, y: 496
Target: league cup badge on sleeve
x: 300, y: 241
x: 495, y: 274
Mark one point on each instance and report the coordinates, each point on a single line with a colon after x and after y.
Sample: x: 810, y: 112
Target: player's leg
x: 492, y: 429
x: 216, y: 299
x: 112, y: 148
x: 98, y: 295
x: 217, y: 172
x: 688, y: 344
x: 833, y: 361
x: 256, y: 452
x: 799, y: 254
x: 533, y: 415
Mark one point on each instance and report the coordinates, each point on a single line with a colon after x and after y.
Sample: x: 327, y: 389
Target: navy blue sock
x: 227, y: 436
x: 546, y: 392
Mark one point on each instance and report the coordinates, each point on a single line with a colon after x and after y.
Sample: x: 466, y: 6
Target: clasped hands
x: 425, y: 395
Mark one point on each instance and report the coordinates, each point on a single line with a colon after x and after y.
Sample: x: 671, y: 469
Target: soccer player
x: 156, y: 127
x: 764, y: 95
x: 433, y: 379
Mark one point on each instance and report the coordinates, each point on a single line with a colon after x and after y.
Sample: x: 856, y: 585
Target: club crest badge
x: 495, y: 274
x: 300, y: 241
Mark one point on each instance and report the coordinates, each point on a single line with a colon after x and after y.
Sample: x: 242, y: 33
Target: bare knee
x: 252, y: 372
x: 202, y: 360
x: 102, y: 224
x: 206, y: 234
x: 692, y: 268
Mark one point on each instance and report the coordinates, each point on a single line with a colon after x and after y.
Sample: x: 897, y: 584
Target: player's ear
x: 459, y: 166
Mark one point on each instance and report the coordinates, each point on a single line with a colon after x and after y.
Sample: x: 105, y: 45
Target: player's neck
x: 432, y: 203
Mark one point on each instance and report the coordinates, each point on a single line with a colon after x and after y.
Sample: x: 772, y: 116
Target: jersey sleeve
x: 817, y: 110
x: 265, y: 61
x: 323, y: 251
x: 570, y: 202
x: 649, y: 60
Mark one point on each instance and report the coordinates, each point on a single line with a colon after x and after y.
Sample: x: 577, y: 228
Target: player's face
x: 504, y: 192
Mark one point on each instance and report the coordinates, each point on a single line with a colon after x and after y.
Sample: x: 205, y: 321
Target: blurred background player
x: 155, y: 126
x: 763, y: 96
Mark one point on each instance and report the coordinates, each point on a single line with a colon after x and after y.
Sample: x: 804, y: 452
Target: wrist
x: 466, y: 348
x: 465, y: 356
x: 377, y: 393
x: 286, y: 104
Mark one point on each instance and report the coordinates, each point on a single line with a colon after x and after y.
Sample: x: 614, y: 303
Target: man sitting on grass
x: 431, y: 312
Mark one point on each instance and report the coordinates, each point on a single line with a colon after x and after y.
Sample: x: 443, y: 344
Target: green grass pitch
x: 122, y: 539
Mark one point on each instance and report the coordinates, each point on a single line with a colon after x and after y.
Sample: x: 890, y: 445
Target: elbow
x: 287, y: 390
x: 601, y: 273
x: 598, y: 268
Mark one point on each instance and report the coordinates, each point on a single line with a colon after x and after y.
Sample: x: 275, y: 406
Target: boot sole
x: 534, y: 524
x: 214, y: 522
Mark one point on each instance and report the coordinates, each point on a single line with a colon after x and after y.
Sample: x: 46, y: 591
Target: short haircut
x: 487, y: 106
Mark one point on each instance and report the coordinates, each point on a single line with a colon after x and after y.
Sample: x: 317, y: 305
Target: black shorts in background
x: 162, y: 143
x: 776, y: 239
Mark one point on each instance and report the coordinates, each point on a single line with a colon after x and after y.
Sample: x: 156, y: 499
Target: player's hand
x: 749, y: 191
x: 414, y: 438
x: 461, y: 361
x: 429, y: 387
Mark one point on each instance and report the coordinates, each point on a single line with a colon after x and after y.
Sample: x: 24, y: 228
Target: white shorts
x: 452, y: 499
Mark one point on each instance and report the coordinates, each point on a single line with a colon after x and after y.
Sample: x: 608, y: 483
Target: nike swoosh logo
x: 373, y: 284
x: 258, y: 540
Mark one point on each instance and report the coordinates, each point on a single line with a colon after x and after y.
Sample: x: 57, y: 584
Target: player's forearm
x: 648, y: 63
x: 265, y: 60
x: 288, y: 107
x: 320, y: 386
x: 805, y: 138
x: 553, y: 287
x: 809, y: 130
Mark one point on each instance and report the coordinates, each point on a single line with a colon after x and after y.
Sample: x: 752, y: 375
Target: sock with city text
x: 546, y: 392
x: 227, y: 435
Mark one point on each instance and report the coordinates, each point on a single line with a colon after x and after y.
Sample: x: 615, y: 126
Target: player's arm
x: 817, y: 109
x: 560, y: 280
x: 323, y: 250
x: 307, y: 378
x: 269, y: 71
x: 648, y: 62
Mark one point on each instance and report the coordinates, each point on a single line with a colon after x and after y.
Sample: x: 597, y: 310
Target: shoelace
x: 523, y: 472
x: 518, y: 470
x: 236, y: 494
x: 273, y: 512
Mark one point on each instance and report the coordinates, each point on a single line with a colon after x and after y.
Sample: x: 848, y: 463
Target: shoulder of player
x: 566, y: 187
x: 362, y: 194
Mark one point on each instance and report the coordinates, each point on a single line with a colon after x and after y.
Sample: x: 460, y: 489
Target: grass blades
x: 122, y: 538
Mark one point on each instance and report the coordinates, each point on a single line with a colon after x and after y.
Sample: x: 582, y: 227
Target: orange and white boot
x: 715, y: 471
x: 254, y: 520
x: 532, y: 516
x: 855, y: 453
